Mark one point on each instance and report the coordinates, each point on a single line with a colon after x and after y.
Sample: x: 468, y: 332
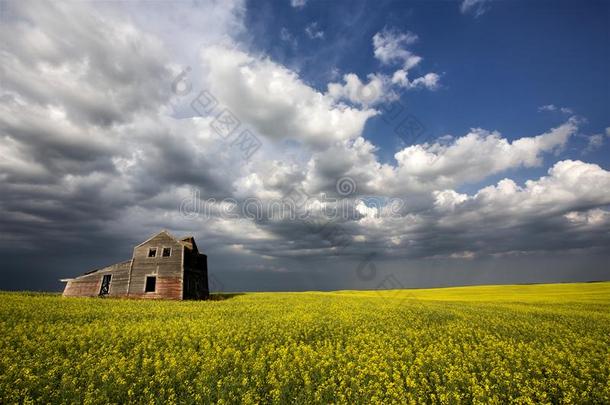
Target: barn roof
x: 105, y: 267
x: 64, y: 280
x: 187, y: 241
x: 157, y: 234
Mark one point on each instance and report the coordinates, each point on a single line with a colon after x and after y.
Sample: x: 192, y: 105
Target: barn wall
x: 88, y: 285
x: 168, y: 270
x: 120, y: 279
x: 82, y: 288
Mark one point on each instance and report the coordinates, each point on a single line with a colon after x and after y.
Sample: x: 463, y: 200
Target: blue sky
x: 508, y: 180
x: 497, y: 69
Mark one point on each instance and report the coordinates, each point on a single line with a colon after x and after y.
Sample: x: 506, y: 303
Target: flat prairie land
x: 490, y: 344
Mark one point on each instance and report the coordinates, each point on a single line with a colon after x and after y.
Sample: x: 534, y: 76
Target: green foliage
x: 521, y: 344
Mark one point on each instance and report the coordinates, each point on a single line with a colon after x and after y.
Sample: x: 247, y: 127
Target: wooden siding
x: 88, y: 285
x: 166, y: 288
x: 82, y: 288
x: 168, y: 270
x: 120, y: 280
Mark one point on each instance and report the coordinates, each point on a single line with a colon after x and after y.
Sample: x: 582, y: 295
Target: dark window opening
x: 105, y: 289
x: 151, y: 283
x: 167, y: 252
x: 152, y: 252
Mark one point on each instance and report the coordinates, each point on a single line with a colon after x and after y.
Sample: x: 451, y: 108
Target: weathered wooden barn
x: 161, y: 267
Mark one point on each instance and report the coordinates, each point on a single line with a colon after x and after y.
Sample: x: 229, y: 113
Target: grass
x: 488, y: 344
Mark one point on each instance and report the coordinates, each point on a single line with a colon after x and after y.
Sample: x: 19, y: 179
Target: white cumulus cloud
x: 276, y: 102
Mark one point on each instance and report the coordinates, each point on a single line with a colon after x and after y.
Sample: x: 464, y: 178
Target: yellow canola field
x: 492, y: 344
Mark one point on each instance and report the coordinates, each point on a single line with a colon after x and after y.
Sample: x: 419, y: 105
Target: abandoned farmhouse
x: 161, y: 267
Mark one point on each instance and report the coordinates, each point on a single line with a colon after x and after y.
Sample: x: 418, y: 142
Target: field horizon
x: 460, y: 286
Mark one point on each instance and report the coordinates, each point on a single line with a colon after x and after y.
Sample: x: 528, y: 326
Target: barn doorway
x: 105, y: 289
